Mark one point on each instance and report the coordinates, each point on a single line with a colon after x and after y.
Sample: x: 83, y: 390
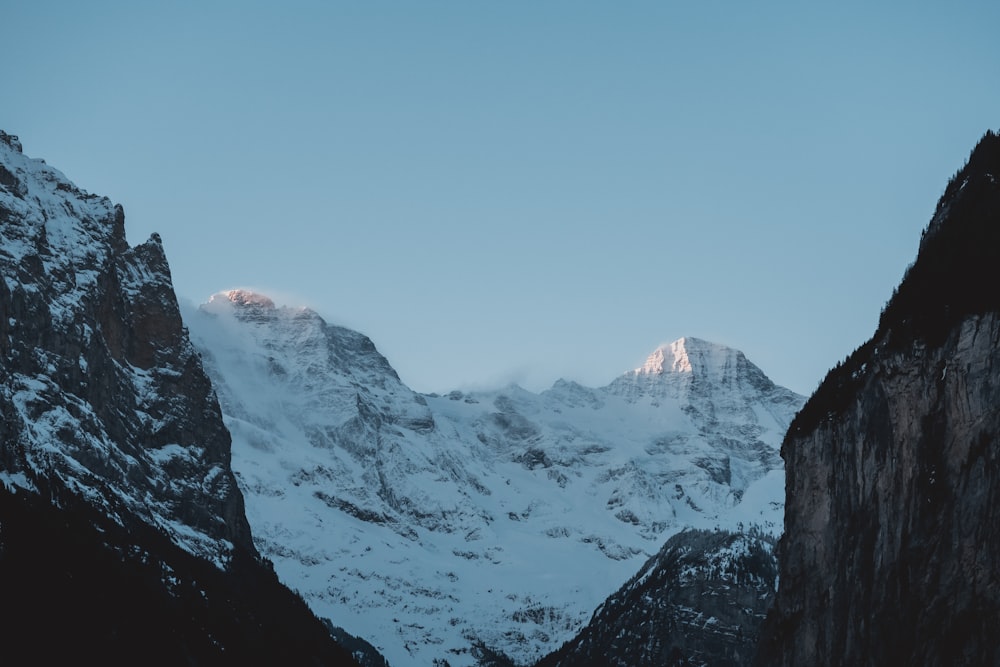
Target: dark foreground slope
x: 80, y: 589
x: 891, y: 552
x: 700, y: 600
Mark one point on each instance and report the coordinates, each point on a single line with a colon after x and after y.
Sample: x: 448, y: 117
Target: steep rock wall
x: 891, y: 552
x: 891, y: 555
x: 101, y: 391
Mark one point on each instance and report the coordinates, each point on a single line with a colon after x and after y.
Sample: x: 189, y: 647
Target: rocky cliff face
x: 115, y: 477
x: 891, y: 553
x: 100, y: 389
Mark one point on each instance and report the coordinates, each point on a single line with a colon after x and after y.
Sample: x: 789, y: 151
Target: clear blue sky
x: 518, y: 191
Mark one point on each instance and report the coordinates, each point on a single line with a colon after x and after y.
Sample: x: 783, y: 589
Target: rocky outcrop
x: 100, y: 389
x: 700, y: 600
x: 891, y: 552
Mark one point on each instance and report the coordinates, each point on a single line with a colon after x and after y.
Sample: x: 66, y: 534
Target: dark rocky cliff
x: 891, y: 552
x: 123, y: 535
x: 100, y: 388
x: 699, y: 601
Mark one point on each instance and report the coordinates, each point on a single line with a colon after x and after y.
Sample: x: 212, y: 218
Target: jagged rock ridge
x: 483, y: 521
x: 890, y: 553
x: 99, y: 385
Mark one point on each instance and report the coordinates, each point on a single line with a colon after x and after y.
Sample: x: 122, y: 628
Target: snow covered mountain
x: 443, y: 527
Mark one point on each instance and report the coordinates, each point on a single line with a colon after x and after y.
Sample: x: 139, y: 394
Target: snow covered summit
x: 241, y: 297
x: 688, y: 364
x: 432, y: 525
x: 673, y: 357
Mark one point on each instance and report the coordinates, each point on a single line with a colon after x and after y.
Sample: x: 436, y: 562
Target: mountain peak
x: 670, y: 357
x: 685, y: 355
x: 242, y: 304
x: 243, y: 297
x: 11, y: 140
x: 958, y: 261
x: 692, y: 370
